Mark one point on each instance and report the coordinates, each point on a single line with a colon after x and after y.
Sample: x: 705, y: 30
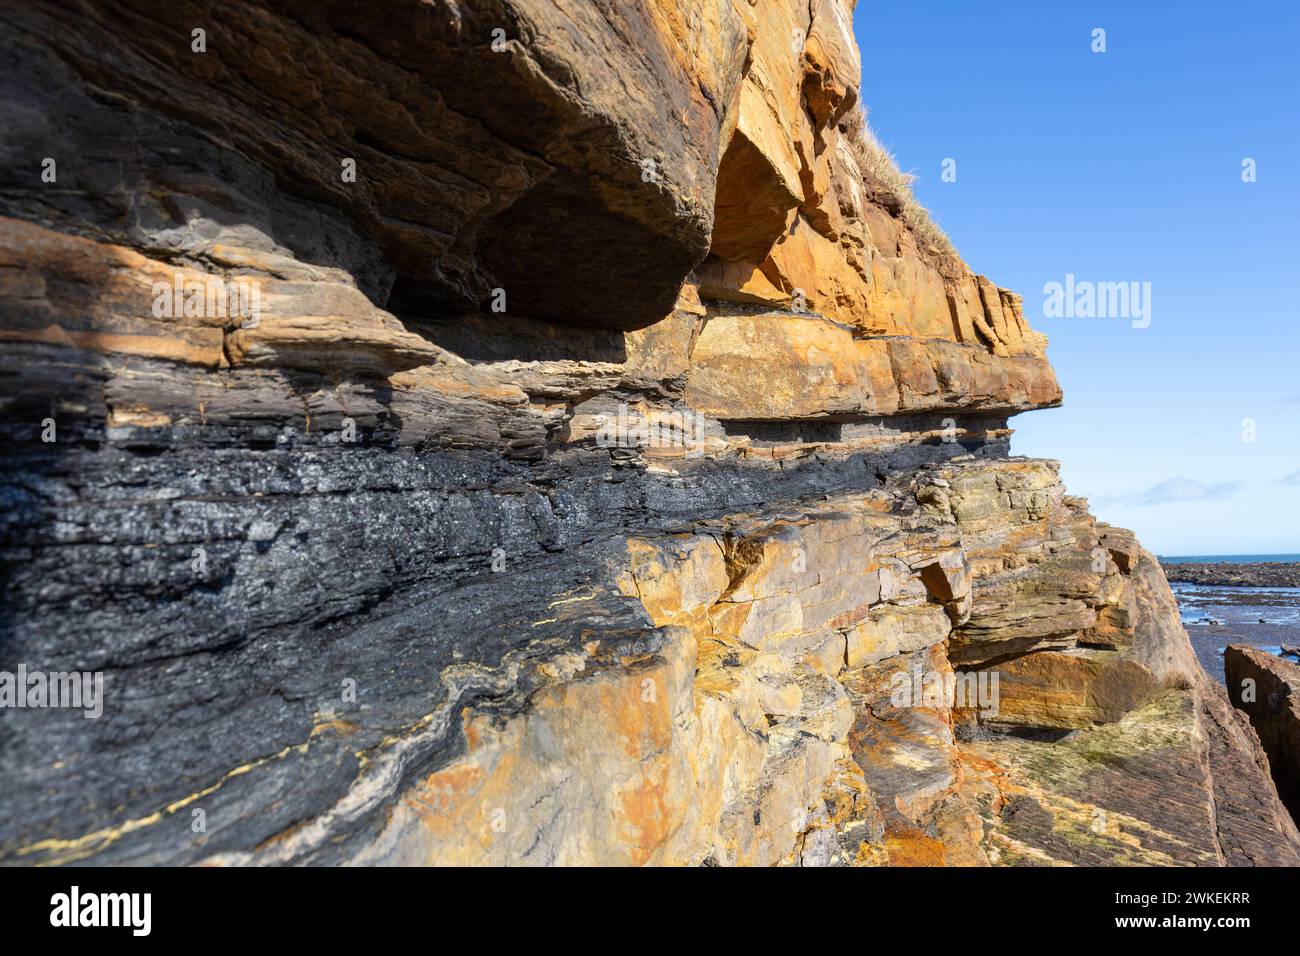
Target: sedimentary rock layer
x: 520, y: 432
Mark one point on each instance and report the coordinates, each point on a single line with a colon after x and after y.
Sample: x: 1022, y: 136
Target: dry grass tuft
x: 879, y: 163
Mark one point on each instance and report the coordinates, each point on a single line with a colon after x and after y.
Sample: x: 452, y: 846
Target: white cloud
x: 1174, y: 490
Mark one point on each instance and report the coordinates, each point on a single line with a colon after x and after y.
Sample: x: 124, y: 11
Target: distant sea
x: 1229, y: 558
x: 1217, y: 616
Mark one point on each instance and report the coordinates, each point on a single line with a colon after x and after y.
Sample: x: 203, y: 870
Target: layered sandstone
x: 526, y: 433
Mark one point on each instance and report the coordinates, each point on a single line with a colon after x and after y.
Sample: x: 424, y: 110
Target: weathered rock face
x: 1267, y: 689
x: 490, y: 140
x: 519, y: 432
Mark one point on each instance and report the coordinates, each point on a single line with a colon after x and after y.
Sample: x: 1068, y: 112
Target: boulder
x: 1267, y: 689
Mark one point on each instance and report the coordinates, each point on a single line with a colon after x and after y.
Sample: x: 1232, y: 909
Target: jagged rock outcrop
x: 519, y: 432
x: 1267, y: 689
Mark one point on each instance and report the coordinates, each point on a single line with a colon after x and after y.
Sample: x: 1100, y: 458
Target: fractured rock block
x: 888, y: 631
x: 1267, y: 690
x: 1122, y: 545
x: 1068, y: 689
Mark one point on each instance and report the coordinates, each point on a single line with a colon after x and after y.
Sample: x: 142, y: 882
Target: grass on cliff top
x: 879, y: 163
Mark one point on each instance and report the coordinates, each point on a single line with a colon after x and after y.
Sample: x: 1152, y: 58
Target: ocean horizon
x: 1228, y: 558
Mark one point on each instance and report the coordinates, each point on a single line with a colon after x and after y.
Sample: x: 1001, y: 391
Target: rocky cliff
x: 544, y: 432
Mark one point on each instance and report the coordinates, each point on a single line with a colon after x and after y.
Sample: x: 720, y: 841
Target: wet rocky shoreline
x: 1252, y: 603
x: 1269, y: 574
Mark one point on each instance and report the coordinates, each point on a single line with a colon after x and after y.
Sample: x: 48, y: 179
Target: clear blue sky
x: 1126, y: 166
